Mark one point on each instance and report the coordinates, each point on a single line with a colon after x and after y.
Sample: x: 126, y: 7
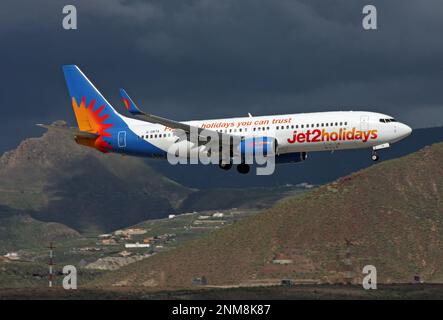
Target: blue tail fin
x: 92, y: 110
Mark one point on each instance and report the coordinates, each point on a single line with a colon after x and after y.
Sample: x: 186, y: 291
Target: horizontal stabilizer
x: 73, y: 131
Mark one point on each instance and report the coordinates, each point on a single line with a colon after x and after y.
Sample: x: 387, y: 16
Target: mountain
x: 389, y: 215
x: 319, y: 168
x: 21, y: 231
x: 57, y: 180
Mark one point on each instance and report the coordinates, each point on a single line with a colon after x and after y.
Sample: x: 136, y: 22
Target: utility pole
x: 51, y: 264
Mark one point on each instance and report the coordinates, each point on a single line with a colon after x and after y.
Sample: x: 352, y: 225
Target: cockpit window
x: 388, y: 120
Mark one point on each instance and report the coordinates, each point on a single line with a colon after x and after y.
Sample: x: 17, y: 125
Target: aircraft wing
x: 226, y: 139
x: 73, y: 131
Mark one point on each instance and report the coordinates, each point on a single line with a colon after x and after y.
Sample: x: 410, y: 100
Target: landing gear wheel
x: 375, y: 157
x: 225, y: 166
x: 243, y: 168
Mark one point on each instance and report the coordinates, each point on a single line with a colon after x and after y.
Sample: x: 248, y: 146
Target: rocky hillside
x: 389, y: 215
x: 58, y: 180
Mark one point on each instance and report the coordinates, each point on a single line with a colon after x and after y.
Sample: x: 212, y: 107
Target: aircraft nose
x: 404, y: 130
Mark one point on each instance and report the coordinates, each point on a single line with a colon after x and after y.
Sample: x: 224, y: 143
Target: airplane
x: 289, y: 136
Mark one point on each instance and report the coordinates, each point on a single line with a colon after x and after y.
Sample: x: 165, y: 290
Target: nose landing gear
x: 375, y: 156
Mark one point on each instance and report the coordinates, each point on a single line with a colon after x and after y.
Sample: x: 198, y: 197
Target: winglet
x: 129, y: 104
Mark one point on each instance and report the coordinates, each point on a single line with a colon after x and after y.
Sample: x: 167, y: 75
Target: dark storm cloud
x: 220, y: 58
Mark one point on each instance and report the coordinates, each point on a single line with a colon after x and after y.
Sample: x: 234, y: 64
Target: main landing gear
x: 242, y: 168
x: 225, y: 166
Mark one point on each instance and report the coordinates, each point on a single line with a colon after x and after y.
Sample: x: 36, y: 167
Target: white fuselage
x: 304, y: 132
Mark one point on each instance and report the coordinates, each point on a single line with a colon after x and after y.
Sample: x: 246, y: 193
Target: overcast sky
x: 222, y: 58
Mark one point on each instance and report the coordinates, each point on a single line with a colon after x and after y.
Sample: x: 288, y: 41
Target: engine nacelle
x: 291, y: 157
x: 257, y: 145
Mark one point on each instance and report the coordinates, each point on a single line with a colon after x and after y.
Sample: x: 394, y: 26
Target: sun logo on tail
x: 91, y: 121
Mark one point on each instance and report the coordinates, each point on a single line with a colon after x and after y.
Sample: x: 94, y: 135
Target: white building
x: 12, y: 256
x: 135, y: 231
x: 137, y: 245
x: 218, y: 215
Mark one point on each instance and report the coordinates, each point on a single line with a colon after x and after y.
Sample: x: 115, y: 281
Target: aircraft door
x: 122, y: 139
x: 364, y: 123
